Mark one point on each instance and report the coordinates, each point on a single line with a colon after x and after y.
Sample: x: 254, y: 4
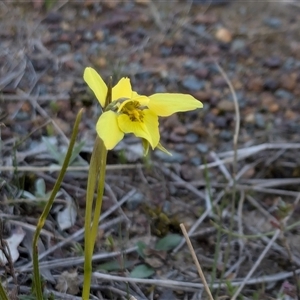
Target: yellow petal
x: 164, y: 104
x: 96, y: 84
x: 148, y: 129
x: 108, y: 129
x: 122, y: 89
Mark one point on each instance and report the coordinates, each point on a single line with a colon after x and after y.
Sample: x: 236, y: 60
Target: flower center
x: 134, y: 110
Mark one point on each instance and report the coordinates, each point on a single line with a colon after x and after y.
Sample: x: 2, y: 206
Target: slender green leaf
x: 142, y: 271
x: 52, y: 149
x: 168, y: 243
x: 141, y: 246
x: 116, y: 265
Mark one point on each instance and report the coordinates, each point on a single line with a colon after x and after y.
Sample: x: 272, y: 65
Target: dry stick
x: 192, y: 251
x: 270, y: 244
x: 199, y: 221
x: 257, y: 263
x: 235, y: 159
x: 58, y: 168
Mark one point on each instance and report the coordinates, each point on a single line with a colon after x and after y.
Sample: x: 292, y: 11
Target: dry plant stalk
x: 192, y: 251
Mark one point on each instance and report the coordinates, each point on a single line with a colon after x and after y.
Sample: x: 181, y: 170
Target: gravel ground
x: 223, y: 53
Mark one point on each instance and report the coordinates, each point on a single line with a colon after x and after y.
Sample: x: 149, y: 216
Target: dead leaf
x: 67, y: 217
x: 12, y: 243
x: 68, y: 282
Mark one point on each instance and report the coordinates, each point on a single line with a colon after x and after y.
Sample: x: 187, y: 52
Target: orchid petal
x: 108, y: 129
x: 147, y: 129
x: 164, y: 104
x: 96, y: 84
x: 122, y: 89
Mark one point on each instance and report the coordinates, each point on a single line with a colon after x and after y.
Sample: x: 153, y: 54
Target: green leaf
x: 141, y: 246
x: 142, y: 271
x: 116, y: 265
x: 52, y: 149
x: 77, y: 149
x: 40, y: 188
x: 168, y: 243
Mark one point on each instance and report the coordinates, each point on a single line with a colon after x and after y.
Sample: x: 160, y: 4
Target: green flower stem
x: 3, y: 294
x: 97, y: 171
x: 43, y: 217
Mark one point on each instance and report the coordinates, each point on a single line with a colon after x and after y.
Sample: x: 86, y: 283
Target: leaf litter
x: 42, y: 89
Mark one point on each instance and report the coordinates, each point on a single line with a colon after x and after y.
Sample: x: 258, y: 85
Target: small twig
x: 192, y: 251
x: 191, y: 286
x: 199, y: 221
x: 58, y: 168
x: 256, y: 264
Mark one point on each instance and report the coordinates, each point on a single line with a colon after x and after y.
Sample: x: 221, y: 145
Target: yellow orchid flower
x: 130, y: 112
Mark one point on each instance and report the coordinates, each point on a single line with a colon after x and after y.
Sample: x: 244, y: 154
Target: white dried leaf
x: 68, y: 282
x: 13, y: 242
x: 67, y: 217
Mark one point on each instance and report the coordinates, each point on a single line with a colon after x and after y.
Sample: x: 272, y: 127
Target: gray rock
x: 85, y: 13
x: 94, y: 48
x: 175, y: 158
x: 260, y: 121
x: 62, y: 49
x: 160, y: 89
x: 88, y: 35
x: 283, y: 94
x: 133, y: 202
x: 237, y: 45
x: 225, y: 135
x: 273, y: 62
x: 191, y: 138
x: 273, y: 22
x: 193, y: 84
x: 202, y: 148
x: 196, y: 161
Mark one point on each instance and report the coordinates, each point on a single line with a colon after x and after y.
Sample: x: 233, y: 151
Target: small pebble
x: 223, y: 35
x: 94, y: 48
x: 225, y: 105
x: 225, y: 135
x: 283, y: 94
x: 165, y: 51
x: 78, y: 57
x: 202, y: 148
x: 53, y: 17
x: 260, y: 121
x: 62, y: 49
x: 270, y: 84
x: 134, y: 201
x: 272, y: 22
x: 255, y: 84
x: 221, y: 122
x: 192, y: 83
x: 175, y: 138
x: 288, y: 81
x: 238, y: 45
x: 201, y: 73
x: 160, y: 89
x: 88, y: 36
x: 84, y: 13
x: 196, y: 161
x: 191, y: 138
x: 175, y: 158
x: 273, y: 62
x: 180, y: 147
x: 219, y: 82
